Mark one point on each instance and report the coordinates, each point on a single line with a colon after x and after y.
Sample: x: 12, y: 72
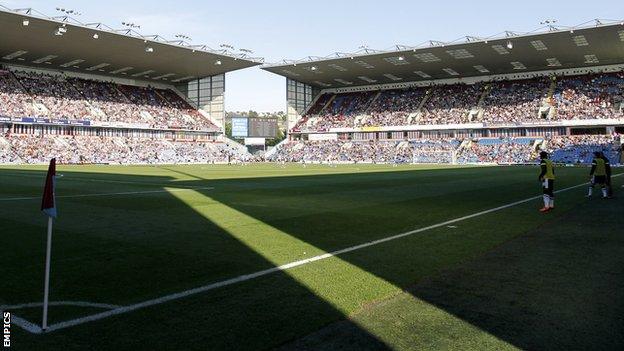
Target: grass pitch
x: 508, y: 279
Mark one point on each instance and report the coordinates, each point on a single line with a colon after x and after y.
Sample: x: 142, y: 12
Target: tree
x: 252, y: 114
x: 228, y: 129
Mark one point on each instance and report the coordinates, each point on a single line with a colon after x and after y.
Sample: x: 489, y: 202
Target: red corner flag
x: 48, y: 205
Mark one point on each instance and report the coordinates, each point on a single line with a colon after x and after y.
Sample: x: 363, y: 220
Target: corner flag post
x: 48, y: 206
x: 46, y: 289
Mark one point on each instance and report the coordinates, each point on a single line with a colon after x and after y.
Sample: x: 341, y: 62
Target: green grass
x: 124, y: 249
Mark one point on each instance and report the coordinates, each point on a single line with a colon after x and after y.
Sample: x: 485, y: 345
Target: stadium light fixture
x: 218, y: 63
x: 549, y: 21
x: 60, y: 31
x: 68, y: 11
x: 131, y: 25
x: 149, y: 49
x: 314, y: 68
x: 401, y: 58
x: 183, y: 37
x: 25, y: 22
x: 509, y: 45
x: 96, y: 36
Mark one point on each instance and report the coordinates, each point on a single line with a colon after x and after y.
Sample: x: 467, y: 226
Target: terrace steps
x: 14, y: 78
x: 551, y: 89
x: 328, y: 103
x: 481, y: 111
x: 372, y: 101
x: 312, y: 103
x: 424, y: 100
x: 4, y: 144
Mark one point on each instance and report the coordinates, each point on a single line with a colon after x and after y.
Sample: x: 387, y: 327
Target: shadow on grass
x: 134, y: 248
x: 523, y: 297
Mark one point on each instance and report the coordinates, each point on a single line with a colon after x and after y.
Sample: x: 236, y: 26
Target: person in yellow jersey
x: 600, y: 174
x: 547, y: 178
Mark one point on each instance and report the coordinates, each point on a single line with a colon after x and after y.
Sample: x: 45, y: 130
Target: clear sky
x: 278, y: 29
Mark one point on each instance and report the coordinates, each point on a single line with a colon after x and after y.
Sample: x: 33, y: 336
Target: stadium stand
x: 580, y: 148
x: 514, y: 101
x: 590, y: 96
x: 53, y: 96
x: 93, y: 113
x: 36, y: 95
x: 110, y: 99
x: 34, y: 149
x: 520, y: 150
x: 496, y: 103
x: 575, y: 97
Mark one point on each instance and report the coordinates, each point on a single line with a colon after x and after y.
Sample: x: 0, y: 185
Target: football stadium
x: 456, y: 195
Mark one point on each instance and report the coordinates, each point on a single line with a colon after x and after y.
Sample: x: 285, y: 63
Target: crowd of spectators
x: 590, y: 97
x: 580, y: 148
x: 27, y: 94
x: 54, y: 97
x: 34, y: 149
x: 14, y: 102
x: 369, y: 151
x: 499, y: 151
x: 517, y: 150
x: 515, y: 101
x: 450, y: 104
x: 395, y: 107
x: 494, y: 103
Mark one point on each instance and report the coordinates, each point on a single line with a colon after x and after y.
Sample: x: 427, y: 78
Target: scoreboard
x: 254, y: 127
x: 262, y: 127
x: 240, y: 128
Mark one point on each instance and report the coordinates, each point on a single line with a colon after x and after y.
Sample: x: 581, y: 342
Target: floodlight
x: 149, y: 49
x: 60, y: 31
x: 509, y: 45
x: 25, y: 22
x: 96, y: 36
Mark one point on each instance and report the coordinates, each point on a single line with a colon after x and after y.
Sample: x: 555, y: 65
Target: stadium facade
x: 552, y: 52
x: 43, y: 57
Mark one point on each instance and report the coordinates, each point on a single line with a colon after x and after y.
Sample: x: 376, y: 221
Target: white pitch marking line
x: 60, y: 303
x: 80, y: 179
x: 124, y: 182
x: 26, y: 325
x: 242, y: 278
x: 110, y: 194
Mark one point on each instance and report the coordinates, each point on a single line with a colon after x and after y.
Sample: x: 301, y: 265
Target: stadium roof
x: 595, y: 43
x: 30, y: 38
